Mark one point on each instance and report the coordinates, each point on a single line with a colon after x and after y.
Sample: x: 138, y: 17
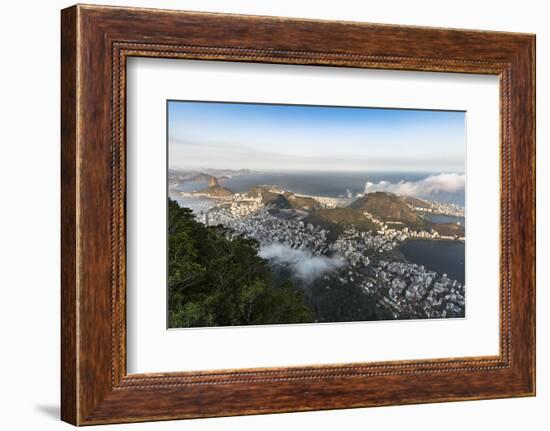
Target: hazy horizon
x: 269, y: 138
x: 299, y: 170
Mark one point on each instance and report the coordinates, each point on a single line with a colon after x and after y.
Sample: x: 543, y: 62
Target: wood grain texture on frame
x: 96, y: 41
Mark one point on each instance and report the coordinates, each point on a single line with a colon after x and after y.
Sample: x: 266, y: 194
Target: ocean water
x: 441, y: 256
x: 328, y: 184
x: 442, y: 218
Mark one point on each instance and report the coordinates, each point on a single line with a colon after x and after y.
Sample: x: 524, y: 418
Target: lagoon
x: 437, y: 255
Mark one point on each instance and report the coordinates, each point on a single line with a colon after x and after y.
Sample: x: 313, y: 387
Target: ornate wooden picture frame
x: 96, y: 41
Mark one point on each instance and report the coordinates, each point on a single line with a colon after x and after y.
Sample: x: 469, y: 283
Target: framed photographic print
x: 267, y: 215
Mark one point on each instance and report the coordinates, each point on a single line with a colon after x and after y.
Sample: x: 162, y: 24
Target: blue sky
x: 314, y: 138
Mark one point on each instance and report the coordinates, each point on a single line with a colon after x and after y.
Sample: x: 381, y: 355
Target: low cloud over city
x: 303, y: 263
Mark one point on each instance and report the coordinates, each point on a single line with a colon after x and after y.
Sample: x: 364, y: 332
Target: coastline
x: 353, y: 245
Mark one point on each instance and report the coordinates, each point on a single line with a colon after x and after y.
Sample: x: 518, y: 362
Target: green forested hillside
x: 386, y: 206
x: 337, y: 219
x: 216, y: 281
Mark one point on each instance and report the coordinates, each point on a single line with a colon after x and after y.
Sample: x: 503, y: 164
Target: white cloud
x: 303, y: 263
x: 432, y: 185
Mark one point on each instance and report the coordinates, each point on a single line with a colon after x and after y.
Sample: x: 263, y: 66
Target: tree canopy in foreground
x: 215, y: 279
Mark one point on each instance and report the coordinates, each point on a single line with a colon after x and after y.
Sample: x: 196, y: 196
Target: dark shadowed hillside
x: 301, y: 202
